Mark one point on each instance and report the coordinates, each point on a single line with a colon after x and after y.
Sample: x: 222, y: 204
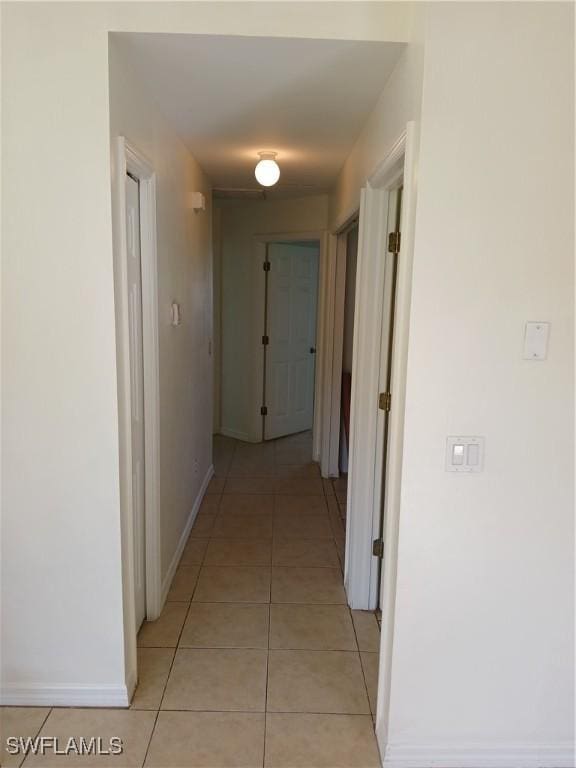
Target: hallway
x: 256, y: 659
x: 267, y: 628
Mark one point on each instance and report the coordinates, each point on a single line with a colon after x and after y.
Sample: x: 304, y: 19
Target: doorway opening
x: 289, y: 330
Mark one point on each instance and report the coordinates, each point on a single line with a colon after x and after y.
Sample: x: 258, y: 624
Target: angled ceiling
x: 229, y: 97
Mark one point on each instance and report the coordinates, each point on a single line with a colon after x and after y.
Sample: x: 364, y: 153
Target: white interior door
x: 136, y: 391
x: 292, y: 299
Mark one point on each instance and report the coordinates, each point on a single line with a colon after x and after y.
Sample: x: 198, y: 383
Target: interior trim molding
x: 479, y: 756
x: 61, y: 695
x: 167, y: 580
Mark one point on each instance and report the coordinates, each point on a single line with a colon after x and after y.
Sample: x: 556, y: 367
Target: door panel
x: 134, y: 269
x: 290, y: 361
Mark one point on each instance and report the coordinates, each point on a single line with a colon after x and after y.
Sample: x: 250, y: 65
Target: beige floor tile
x: 367, y: 630
x: 131, y: 726
x: 217, y: 680
x: 210, y: 504
x: 301, y: 505
x: 297, y: 470
x: 320, y: 741
x: 241, y: 584
x: 183, y: 583
x: 328, y: 487
x: 194, y: 552
x: 319, y: 553
x: 19, y: 722
x: 207, y: 740
x: 243, y: 527
x: 316, y: 681
x: 306, y: 486
x: 252, y: 468
x: 216, y: 485
x: 307, y: 585
x: 165, y: 631
x: 294, y: 454
x: 370, y: 667
x: 290, y: 526
x: 312, y: 627
x: 247, y: 504
x: 226, y: 625
x: 239, y: 552
x: 203, y: 525
x: 250, y: 485
x: 153, y: 669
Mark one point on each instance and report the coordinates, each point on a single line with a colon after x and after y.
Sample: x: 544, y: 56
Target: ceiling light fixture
x: 267, y: 171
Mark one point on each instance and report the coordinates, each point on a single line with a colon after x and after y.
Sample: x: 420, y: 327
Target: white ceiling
x: 229, y: 97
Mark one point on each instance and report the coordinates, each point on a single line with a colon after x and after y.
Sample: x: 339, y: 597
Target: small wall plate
x: 464, y: 454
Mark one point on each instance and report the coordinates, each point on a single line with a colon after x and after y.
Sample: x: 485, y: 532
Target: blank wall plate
x: 536, y: 341
x: 464, y: 454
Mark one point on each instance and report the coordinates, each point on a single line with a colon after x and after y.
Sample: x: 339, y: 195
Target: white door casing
x: 134, y: 273
x: 292, y: 299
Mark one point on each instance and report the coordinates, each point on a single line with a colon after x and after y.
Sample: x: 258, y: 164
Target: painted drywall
x: 240, y: 222
x: 184, y: 276
x: 483, y: 640
x: 398, y: 104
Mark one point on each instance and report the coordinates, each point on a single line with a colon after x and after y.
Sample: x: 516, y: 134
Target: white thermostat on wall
x: 464, y: 454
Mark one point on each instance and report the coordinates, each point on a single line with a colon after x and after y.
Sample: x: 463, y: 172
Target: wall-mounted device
x: 464, y: 454
x: 175, y: 313
x: 197, y: 202
x: 536, y: 341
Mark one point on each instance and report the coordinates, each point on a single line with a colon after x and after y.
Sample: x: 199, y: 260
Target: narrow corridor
x: 256, y: 659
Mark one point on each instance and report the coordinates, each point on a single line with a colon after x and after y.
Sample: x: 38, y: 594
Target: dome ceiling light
x: 267, y: 171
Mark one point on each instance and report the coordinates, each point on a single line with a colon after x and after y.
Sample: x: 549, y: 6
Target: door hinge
x: 265, y: 341
x: 394, y: 242
x: 266, y: 266
x: 264, y: 411
x: 385, y: 401
x: 378, y: 548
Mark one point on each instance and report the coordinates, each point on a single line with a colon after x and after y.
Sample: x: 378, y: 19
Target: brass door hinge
x: 266, y: 266
x: 394, y: 242
x: 385, y: 401
x: 265, y: 341
x: 264, y: 411
x: 378, y: 548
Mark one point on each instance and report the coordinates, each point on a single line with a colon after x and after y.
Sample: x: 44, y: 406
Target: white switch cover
x: 536, y: 341
x: 464, y: 454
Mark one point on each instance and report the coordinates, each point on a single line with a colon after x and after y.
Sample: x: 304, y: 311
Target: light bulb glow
x: 267, y: 171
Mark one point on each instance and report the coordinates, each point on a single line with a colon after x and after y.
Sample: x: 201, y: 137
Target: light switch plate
x: 464, y: 454
x: 536, y: 341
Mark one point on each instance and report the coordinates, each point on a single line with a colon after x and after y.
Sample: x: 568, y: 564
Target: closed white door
x: 136, y: 391
x: 292, y: 298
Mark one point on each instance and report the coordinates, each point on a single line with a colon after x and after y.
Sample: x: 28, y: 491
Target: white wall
x: 483, y: 640
x: 184, y: 275
x: 240, y: 222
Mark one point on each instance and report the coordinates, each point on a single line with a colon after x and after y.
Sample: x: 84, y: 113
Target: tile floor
x: 256, y: 661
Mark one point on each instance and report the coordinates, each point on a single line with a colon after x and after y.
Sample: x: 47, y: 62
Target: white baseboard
x: 480, y: 756
x: 167, y: 580
x: 60, y: 695
x: 244, y: 436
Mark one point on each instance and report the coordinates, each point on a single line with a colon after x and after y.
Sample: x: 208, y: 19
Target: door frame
x: 364, y: 479
x: 261, y: 242
x: 335, y: 308
x: 128, y: 158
